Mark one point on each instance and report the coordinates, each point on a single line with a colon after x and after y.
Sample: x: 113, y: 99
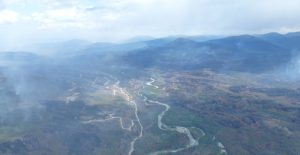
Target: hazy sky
x: 26, y: 21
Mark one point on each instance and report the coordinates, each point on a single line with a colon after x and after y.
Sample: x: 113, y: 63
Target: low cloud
x: 8, y: 16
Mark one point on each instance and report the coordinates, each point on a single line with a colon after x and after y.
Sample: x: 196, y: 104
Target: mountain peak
x: 183, y: 41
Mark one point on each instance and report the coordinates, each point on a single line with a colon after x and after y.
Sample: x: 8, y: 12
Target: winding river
x: 135, y: 121
x: 161, y: 125
x: 182, y: 130
x: 192, y: 141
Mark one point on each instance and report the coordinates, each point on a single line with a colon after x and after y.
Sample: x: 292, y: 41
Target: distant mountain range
x: 244, y: 53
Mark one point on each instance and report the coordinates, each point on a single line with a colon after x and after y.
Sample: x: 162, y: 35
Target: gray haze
x: 24, y: 22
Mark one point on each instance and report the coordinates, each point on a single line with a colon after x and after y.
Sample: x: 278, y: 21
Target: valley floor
x: 193, y: 113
